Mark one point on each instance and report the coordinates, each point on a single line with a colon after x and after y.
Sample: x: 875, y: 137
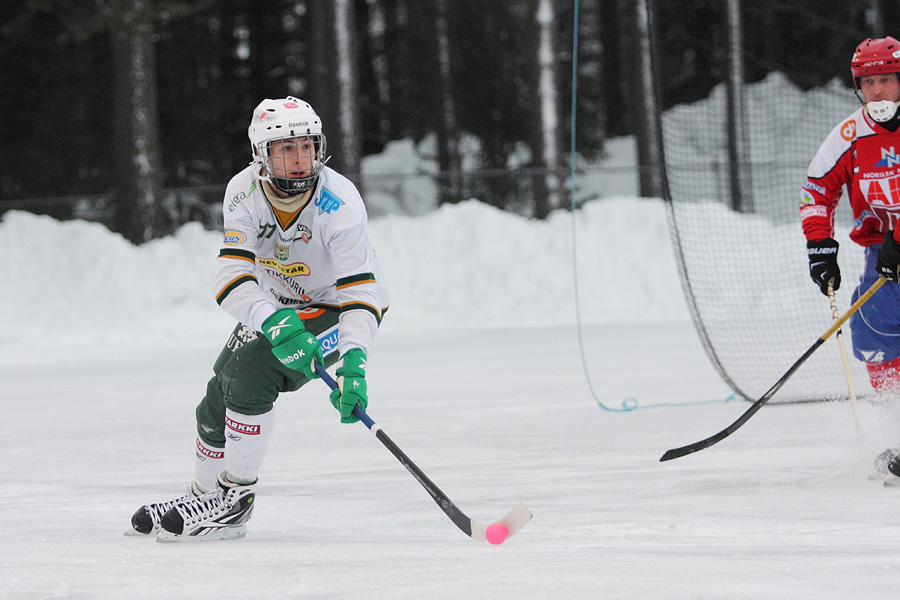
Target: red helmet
x: 875, y: 56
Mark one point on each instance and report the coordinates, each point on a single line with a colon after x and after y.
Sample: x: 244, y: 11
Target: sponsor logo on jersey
x: 287, y: 282
x: 889, y: 158
x: 848, y: 130
x: 233, y: 238
x: 809, y: 185
x: 881, y: 192
x: 282, y: 251
x: 304, y: 234
x: 284, y: 300
x: 329, y: 340
x: 236, y: 200
x: 241, y: 427
x: 310, y: 312
x: 291, y: 270
x: 806, y: 199
x: 328, y: 202
x: 813, y: 211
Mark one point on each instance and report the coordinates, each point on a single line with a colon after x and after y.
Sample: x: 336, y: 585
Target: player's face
x: 885, y: 86
x: 292, y: 158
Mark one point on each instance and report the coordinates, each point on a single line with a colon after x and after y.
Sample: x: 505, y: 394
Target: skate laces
x: 203, y: 506
x: 158, y: 509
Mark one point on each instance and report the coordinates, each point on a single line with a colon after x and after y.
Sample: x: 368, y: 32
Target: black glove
x: 823, y: 265
x: 888, y: 263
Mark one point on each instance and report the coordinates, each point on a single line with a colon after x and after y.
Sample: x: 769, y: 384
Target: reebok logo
x: 293, y: 357
x: 274, y: 330
x: 241, y: 427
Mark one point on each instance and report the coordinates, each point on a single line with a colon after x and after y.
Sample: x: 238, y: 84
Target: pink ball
x: 496, y: 533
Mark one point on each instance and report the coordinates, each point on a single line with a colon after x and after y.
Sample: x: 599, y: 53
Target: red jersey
x: 864, y: 156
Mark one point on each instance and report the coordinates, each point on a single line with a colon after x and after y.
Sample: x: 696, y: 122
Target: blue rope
x: 628, y: 404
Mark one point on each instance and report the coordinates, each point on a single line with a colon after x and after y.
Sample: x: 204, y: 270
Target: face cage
x: 293, y: 185
x: 857, y: 89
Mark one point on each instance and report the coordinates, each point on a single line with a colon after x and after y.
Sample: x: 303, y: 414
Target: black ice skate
x: 146, y: 519
x: 221, y: 514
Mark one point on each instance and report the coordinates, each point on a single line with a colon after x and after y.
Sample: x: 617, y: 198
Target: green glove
x: 292, y: 345
x: 351, y: 388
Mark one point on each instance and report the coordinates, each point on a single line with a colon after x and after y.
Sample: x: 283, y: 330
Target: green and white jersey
x: 320, y: 260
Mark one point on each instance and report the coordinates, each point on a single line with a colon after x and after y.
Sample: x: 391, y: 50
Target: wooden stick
x: 840, y: 339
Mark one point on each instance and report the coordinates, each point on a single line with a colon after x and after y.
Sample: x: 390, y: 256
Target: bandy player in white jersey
x: 861, y: 155
x: 297, y: 271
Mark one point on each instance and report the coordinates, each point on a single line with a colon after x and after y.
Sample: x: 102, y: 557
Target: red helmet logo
x: 290, y: 105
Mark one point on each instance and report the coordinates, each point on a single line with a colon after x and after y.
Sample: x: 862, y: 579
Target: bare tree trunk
x: 322, y: 69
x: 335, y: 81
x: 739, y: 163
x: 381, y: 66
x: 348, y: 87
x: 593, y: 53
x: 448, y: 146
x: 137, y: 167
x: 642, y: 92
x: 547, y: 192
x: 875, y: 18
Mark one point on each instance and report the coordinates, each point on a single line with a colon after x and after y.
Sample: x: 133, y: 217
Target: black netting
x: 745, y: 272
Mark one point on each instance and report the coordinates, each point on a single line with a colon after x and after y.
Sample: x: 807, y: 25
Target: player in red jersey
x: 862, y: 154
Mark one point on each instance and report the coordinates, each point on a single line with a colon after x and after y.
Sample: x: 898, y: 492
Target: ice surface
x: 477, y: 376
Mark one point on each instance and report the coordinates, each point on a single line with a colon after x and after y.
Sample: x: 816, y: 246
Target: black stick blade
x: 715, y: 439
x: 695, y: 447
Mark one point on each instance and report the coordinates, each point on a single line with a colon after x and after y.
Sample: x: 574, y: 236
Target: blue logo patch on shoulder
x: 328, y: 202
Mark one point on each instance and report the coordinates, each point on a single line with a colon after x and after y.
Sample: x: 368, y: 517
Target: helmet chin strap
x: 882, y: 110
x: 294, y: 186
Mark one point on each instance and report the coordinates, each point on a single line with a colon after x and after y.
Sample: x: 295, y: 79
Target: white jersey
x: 320, y: 259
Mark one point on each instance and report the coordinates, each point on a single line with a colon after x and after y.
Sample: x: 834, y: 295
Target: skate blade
x: 135, y: 533
x: 235, y: 532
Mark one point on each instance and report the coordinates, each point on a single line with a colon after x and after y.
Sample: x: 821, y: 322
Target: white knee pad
x: 246, y: 441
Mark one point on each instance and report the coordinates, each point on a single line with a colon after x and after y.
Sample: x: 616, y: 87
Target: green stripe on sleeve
x: 234, y: 283
x: 345, y: 282
x: 236, y: 253
x: 362, y: 306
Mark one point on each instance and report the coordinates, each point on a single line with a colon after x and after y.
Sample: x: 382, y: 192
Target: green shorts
x: 248, y: 377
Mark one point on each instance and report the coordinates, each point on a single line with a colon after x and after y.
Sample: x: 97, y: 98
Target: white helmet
x: 286, y: 118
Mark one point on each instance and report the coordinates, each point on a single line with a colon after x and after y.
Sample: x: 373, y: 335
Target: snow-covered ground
x: 477, y: 374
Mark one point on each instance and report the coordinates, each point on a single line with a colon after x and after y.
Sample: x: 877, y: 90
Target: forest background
x: 129, y: 101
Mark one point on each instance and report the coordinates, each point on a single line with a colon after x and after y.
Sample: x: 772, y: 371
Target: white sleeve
x: 237, y: 287
x: 354, y: 268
